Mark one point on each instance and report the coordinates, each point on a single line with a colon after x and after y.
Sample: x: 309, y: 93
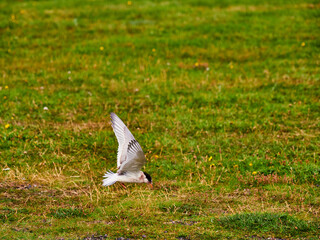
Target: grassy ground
x: 223, y: 97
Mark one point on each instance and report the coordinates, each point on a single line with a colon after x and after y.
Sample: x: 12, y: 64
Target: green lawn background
x: 223, y: 97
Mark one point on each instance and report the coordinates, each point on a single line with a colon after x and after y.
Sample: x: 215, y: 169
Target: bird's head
x: 148, y: 179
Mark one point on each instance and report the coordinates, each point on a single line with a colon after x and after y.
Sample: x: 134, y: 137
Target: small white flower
x: 45, y: 108
x: 207, y: 69
x: 75, y: 22
x: 69, y: 72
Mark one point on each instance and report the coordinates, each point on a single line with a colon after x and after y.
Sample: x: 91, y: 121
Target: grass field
x: 223, y: 97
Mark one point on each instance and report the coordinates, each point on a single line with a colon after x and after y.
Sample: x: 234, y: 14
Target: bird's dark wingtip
x: 113, y: 116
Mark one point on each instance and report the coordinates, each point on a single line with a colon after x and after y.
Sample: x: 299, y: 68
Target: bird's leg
x: 123, y: 185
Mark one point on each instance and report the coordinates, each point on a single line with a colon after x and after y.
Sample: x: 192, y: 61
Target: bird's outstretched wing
x: 135, y: 158
x: 122, y: 136
x: 130, y: 155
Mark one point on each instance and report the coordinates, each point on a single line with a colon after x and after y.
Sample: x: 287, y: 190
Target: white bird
x: 130, y: 157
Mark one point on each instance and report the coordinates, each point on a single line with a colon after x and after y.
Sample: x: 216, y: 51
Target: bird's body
x: 130, y: 157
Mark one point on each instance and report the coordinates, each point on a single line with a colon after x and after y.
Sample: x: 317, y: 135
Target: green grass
x: 67, y: 212
x: 223, y: 97
x: 266, y: 222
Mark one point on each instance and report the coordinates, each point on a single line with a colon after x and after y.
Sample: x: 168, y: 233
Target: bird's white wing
x: 123, y: 135
x: 135, y: 157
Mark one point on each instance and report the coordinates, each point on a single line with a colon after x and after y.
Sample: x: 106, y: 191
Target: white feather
x: 110, y: 178
x: 123, y: 136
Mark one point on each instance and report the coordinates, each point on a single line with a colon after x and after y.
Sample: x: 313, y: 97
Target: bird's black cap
x: 148, y: 177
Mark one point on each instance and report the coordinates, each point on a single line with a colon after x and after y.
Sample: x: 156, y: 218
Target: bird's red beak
x: 151, y: 186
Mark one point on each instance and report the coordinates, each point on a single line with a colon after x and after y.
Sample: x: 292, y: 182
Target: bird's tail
x: 110, y: 178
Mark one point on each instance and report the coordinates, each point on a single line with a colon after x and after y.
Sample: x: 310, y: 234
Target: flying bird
x: 130, y: 157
